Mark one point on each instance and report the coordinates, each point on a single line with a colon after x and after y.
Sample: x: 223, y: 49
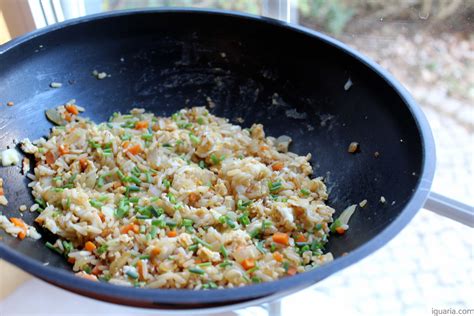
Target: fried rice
x: 187, y: 201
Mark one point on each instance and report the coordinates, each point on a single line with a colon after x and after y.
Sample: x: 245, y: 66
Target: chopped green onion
x: 135, y: 171
x: 187, y: 222
x: 166, y: 183
x: 202, y: 242
x: 94, y: 144
x: 194, y: 139
x: 184, y: 124
x: 134, y: 180
x: 96, y: 203
x: 132, y: 188
x: 241, y: 205
x: 120, y: 175
x: 318, y: 226
x: 143, y: 257
x: 68, y: 202
x: 216, y: 160
x: 205, y: 264
x: 315, y: 245
x: 58, y: 189
x: 304, y: 248
x: 305, y: 192
x: 153, y: 231
x: 200, y: 120
x: 224, y: 251
x: 266, y: 224
x: 126, y: 137
x: 193, y: 247
x: 274, y: 186
x: 147, y: 136
x: 225, y: 264
x: 260, y: 247
x: 50, y: 246
x: 102, y: 248
x: 134, y: 200
x: 256, y: 280
x: 255, y: 233
x: 87, y: 269
x: 148, y: 177
x: 167, y: 145
x: 250, y: 271
x: 170, y: 224
x: 210, y: 285
x: 272, y: 247
x: 286, y: 265
x: 244, y: 219
x: 171, y: 198
x: 67, y: 245
x: 202, y: 164
x: 41, y: 203
x: 122, y: 208
x: 196, y: 271
x: 159, y: 222
x: 337, y: 223
x: 100, y: 182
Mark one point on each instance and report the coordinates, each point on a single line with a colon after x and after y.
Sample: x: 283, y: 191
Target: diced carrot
x: 277, y: 166
x: 155, y: 252
x: 263, y: 147
x: 298, y: 211
x: 291, y: 271
x: 130, y: 227
x: 140, y: 269
x: 39, y: 220
x: 71, y: 260
x: 193, y: 198
x: 84, y: 275
x: 135, y: 149
x: 125, y: 144
x: 281, y: 238
x: 50, y: 159
x: 340, y: 230
x: 83, y: 164
x: 71, y: 108
x: 277, y: 256
x: 301, y: 238
x: 141, y: 124
x: 2, y: 192
x: 18, y: 222
x: 102, y: 217
x: 172, y: 233
x: 155, y: 127
x: 89, y: 246
x: 325, y: 226
x: 248, y: 263
x: 68, y: 117
x: 96, y: 270
x: 63, y: 149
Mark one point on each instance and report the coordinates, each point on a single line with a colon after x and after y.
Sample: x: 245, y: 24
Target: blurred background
x: 428, y: 45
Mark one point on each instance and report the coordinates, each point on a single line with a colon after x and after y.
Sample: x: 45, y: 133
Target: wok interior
x: 288, y: 81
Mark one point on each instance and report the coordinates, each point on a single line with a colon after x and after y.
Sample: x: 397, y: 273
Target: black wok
x: 289, y: 78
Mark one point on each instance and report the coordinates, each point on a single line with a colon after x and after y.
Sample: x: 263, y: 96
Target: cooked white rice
x: 189, y: 201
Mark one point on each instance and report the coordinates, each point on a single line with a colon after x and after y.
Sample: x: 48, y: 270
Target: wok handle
x: 450, y: 208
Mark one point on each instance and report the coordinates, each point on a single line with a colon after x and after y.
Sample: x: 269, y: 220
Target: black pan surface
x: 288, y: 78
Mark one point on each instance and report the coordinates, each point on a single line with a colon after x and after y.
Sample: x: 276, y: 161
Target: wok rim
x: 170, y: 299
